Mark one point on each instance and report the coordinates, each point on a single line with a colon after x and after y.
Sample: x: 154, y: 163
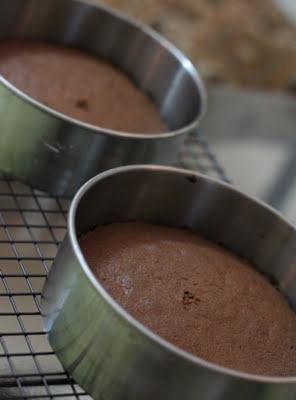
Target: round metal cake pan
x: 109, y: 353
x: 57, y: 154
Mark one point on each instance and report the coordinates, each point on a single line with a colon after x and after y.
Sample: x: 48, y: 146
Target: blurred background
x: 246, y: 53
x: 245, y: 50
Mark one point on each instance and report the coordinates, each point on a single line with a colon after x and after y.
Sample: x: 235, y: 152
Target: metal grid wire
x: 32, y: 224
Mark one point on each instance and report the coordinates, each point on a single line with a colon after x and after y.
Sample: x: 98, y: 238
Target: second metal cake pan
x: 55, y: 153
x: 107, y: 351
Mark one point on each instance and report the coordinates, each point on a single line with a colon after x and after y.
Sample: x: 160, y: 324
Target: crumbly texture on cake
x: 246, y: 43
x: 79, y: 85
x: 197, y: 295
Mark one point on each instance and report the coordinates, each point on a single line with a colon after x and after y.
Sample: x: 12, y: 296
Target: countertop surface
x: 246, y: 43
x: 254, y: 136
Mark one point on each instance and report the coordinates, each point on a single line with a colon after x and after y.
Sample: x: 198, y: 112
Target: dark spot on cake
x: 83, y: 104
x: 191, y: 178
x: 292, y: 348
x: 188, y: 298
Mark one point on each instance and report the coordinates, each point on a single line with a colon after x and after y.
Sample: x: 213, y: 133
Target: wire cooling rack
x: 32, y: 224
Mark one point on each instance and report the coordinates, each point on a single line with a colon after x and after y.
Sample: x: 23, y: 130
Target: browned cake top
x: 195, y: 294
x: 79, y: 85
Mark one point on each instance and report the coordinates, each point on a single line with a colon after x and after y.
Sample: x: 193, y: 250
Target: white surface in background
x: 251, y: 163
x: 288, y: 7
x: 254, y: 135
x: 254, y: 165
x: 289, y: 206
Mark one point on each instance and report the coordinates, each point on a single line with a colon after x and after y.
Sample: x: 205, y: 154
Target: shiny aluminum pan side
x: 56, y: 153
x: 109, y: 353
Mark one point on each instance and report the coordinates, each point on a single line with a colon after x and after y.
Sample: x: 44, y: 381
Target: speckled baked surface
x: 248, y: 43
x: 79, y: 85
x: 195, y: 294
